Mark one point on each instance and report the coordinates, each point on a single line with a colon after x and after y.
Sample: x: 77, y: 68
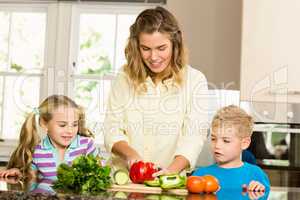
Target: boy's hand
x: 256, y: 186
x: 255, y: 190
x: 255, y: 195
x: 10, y: 172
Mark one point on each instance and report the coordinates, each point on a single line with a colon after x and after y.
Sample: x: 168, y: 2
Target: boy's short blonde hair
x: 233, y: 116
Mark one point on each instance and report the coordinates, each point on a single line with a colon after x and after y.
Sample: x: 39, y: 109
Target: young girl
x: 67, y: 138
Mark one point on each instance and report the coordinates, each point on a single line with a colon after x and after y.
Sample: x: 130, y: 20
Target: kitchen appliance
x: 276, y: 139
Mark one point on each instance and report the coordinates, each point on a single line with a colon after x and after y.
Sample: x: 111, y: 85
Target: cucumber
x: 153, y: 183
x: 170, y: 197
x: 120, y: 195
x: 121, y: 177
x: 152, y: 197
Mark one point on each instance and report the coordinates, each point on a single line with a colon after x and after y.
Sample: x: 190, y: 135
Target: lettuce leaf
x: 85, y: 176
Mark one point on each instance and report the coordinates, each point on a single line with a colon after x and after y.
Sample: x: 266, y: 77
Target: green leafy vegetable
x: 85, y: 176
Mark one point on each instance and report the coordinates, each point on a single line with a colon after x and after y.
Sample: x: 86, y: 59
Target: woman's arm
x: 126, y: 152
x: 195, y: 123
x: 179, y: 163
x: 116, y: 138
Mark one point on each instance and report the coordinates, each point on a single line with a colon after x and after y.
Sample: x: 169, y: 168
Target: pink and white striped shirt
x: 45, y: 158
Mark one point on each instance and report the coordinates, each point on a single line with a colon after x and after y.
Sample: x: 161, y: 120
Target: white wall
x: 212, y: 30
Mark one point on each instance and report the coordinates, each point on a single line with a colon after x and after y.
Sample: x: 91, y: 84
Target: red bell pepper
x: 142, y: 171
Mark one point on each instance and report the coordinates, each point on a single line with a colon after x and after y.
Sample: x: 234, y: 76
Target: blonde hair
x: 29, y: 136
x: 150, y: 21
x: 234, y: 116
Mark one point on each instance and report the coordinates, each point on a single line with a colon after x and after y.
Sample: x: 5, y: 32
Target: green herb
x: 85, y: 176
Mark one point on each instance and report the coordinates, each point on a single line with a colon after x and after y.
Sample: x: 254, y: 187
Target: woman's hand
x: 125, y: 151
x: 179, y: 163
x: 10, y: 172
x: 164, y: 171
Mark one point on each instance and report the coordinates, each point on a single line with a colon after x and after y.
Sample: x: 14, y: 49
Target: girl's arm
x: 10, y: 172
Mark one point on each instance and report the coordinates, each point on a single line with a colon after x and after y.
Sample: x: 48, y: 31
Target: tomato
x: 210, y: 197
x: 141, y: 171
x: 195, y: 184
x: 201, y: 197
x: 211, y: 183
x: 195, y: 197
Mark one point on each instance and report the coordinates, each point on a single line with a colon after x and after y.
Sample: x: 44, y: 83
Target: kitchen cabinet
x: 270, y: 64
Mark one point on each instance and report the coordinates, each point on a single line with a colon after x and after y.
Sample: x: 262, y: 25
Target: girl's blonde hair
x: 150, y: 21
x: 233, y: 116
x: 30, y: 137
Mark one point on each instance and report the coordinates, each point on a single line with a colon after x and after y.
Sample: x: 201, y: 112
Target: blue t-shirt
x: 235, y: 178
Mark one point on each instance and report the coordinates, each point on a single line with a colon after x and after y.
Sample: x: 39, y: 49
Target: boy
x: 231, y: 134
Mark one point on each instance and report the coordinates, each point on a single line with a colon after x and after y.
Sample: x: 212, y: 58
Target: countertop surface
x: 14, y: 189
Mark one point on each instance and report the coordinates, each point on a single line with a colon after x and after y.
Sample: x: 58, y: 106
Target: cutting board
x: 141, y: 188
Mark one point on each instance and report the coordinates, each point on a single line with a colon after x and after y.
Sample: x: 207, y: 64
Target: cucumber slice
x: 152, y: 197
x: 120, y: 195
x: 170, y: 197
x: 121, y: 177
x: 153, y: 183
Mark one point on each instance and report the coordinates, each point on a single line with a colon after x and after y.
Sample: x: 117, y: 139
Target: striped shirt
x: 42, y: 186
x: 45, y: 158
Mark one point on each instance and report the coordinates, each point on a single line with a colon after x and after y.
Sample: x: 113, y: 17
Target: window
x: 60, y: 48
x: 22, y: 39
x: 100, y: 38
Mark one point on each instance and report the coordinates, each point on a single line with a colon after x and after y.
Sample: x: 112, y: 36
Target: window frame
x: 61, y: 44
x: 49, y: 10
x: 77, y: 10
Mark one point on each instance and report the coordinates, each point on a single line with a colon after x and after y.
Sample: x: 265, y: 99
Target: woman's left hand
x: 164, y: 171
x: 178, y: 164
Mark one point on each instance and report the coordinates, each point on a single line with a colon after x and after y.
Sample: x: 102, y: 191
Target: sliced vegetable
x: 153, y: 197
x: 171, y: 197
x: 171, y: 181
x: 142, y: 171
x: 121, y: 177
x: 153, y: 183
x: 120, y: 195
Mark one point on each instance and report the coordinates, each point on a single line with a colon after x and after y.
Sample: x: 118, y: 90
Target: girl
x: 67, y: 138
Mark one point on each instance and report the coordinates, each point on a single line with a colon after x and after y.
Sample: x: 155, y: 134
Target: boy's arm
x: 261, y: 181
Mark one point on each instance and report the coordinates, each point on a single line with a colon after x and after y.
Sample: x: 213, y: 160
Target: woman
x: 156, y: 109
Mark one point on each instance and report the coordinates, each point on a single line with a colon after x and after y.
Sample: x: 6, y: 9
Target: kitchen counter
x: 11, y: 189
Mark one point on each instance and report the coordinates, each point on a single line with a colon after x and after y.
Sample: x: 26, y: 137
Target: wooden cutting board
x: 141, y: 188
